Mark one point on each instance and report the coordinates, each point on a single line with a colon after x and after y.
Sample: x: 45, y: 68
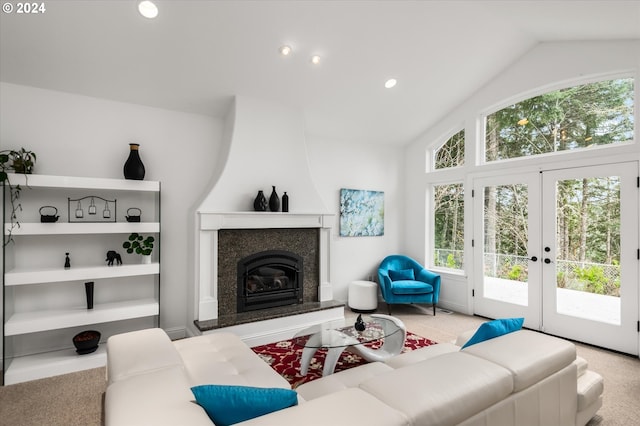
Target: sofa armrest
x: 529, y: 355
x: 464, y: 337
x: 432, y: 278
x: 140, y: 352
x: 426, y: 276
x: 385, y: 283
x: 163, y: 398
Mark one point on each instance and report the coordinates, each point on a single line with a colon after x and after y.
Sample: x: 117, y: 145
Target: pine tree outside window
x: 574, y: 118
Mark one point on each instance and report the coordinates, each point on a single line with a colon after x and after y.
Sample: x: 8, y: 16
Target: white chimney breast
x: 266, y: 148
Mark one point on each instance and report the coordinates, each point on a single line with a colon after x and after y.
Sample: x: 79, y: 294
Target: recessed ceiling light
x: 285, y: 50
x: 315, y: 59
x: 148, y: 9
x: 390, y: 83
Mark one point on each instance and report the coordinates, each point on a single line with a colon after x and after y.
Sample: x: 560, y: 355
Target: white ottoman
x: 363, y: 296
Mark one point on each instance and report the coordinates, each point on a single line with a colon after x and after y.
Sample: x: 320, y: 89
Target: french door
x: 506, y: 251
x: 560, y: 248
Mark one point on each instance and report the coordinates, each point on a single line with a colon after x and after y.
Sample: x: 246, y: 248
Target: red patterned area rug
x: 284, y: 358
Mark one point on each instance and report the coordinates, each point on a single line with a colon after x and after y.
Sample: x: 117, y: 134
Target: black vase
x: 260, y: 203
x: 285, y: 202
x: 274, y: 201
x: 133, y: 167
x: 88, y: 288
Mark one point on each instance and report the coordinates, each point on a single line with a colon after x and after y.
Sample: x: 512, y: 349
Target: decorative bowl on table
x: 86, y: 342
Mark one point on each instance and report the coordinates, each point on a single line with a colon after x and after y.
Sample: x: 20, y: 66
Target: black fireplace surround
x: 268, y: 279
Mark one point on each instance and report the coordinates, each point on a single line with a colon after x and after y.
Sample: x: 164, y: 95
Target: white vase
x: 146, y: 259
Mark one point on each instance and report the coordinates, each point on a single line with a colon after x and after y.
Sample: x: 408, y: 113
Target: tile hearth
x: 265, y: 314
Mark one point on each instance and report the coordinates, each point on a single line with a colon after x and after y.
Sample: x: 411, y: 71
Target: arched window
x: 451, y: 153
x: 578, y: 117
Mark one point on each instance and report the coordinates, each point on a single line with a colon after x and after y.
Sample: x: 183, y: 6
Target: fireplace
x: 226, y: 211
x: 227, y: 238
x: 268, y: 279
x: 227, y: 228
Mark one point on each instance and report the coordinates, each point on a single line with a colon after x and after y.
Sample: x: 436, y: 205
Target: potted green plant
x: 141, y: 245
x: 21, y: 161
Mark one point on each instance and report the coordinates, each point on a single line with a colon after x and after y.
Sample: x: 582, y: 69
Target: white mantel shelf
x: 212, y: 221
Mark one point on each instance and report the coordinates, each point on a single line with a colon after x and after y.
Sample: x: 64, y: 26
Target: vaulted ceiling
x: 197, y: 54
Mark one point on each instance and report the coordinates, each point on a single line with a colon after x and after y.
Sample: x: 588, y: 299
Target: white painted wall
x: 266, y: 148
x: 547, y: 66
x: 340, y: 164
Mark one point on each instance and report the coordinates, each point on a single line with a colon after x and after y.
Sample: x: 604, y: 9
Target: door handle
x: 547, y: 261
x: 533, y: 259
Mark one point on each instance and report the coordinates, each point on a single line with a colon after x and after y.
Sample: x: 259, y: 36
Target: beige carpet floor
x: 68, y: 400
x: 77, y: 399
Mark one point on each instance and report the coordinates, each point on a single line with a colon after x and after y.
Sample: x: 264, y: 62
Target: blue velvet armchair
x: 403, y: 280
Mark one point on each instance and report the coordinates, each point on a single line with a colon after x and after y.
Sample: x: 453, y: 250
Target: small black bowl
x: 86, y: 341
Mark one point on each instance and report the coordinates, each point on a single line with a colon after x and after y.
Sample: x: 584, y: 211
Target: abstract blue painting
x: 361, y: 213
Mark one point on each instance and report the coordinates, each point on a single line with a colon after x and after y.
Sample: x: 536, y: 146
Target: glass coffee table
x: 335, y: 339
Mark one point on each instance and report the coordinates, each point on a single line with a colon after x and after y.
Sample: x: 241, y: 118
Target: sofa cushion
x: 228, y: 405
x: 402, y: 274
x: 443, y: 390
x: 350, y: 378
x: 529, y: 355
x: 495, y: 328
x: 160, y: 398
x: 140, y: 352
x: 224, y: 359
x: 421, y: 354
x: 347, y: 407
x: 410, y: 287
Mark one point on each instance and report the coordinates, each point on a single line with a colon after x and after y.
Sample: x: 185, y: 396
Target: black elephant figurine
x: 113, y: 255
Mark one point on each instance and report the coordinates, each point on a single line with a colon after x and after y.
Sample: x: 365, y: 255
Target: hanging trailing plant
x: 21, y: 161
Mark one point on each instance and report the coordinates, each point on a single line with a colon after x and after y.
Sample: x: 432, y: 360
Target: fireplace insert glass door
x: 268, y: 279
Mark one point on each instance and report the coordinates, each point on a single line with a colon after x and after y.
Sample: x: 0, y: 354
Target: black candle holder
x: 98, y: 209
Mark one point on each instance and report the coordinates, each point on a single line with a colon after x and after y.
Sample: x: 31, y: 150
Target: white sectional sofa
x: 522, y: 378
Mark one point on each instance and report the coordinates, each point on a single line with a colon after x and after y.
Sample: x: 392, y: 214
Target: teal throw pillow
x: 228, y: 405
x: 495, y: 328
x: 402, y: 274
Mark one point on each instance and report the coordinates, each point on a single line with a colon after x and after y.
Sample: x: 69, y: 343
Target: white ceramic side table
x: 363, y: 296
